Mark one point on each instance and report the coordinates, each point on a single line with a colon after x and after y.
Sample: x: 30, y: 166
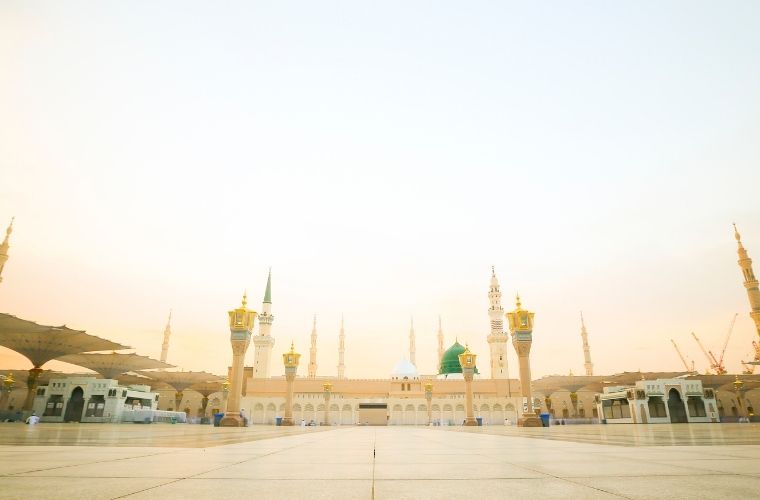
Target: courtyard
x: 192, y: 461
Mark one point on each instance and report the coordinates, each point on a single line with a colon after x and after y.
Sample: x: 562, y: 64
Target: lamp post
x: 178, y: 400
x: 290, y: 360
x: 31, y: 387
x: 521, y: 326
x: 429, y: 399
x: 327, y: 386
x: 241, y: 326
x: 467, y: 361
x: 5, y: 391
x: 738, y: 386
x: 225, y: 392
x: 574, y: 401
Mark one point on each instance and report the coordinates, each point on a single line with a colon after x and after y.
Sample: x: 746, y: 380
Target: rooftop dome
x: 404, y: 369
x: 450, y: 360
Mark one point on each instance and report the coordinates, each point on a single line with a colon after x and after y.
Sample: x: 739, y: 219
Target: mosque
x: 406, y: 397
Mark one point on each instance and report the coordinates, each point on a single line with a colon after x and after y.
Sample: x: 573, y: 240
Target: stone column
x: 241, y: 326
x: 467, y: 361
x: 327, y: 390
x: 290, y: 360
x: 204, y: 405
x: 31, y: 388
x: 429, y: 399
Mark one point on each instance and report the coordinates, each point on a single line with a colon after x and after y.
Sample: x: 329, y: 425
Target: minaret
x: 497, y: 339
x: 751, y: 284
x: 440, y: 341
x: 4, y: 248
x: 264, y: 342
x: 313, y: 350
x: 586, y: 350
x: 341, y: 351
x: 167, y: 334
x: 412, y: 346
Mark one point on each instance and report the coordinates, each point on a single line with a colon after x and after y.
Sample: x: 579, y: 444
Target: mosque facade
x: 410, y: 398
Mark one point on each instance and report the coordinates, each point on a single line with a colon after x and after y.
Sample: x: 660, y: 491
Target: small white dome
x: 404, y: 369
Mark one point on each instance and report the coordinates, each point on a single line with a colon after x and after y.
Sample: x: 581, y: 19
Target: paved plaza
x: 191, y: 461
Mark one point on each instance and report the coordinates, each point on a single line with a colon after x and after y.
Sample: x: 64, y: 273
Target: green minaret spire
x: 268, y: 293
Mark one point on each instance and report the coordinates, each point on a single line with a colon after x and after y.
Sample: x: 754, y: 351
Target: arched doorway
x: 75, y: 406
x: 676, y: 407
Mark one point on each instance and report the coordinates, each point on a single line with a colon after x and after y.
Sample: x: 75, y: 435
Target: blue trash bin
x: 480, y: 420
x: 277, y: 420
x: 217, y: 419
x: 545, y: 419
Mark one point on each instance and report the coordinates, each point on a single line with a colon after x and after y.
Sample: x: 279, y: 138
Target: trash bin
x: 174, y: 420
x: 217, y: 419
x: 277, y: 420
x: 480, y: 421
x: 545, y: 419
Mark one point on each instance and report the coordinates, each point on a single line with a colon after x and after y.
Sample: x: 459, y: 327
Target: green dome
x: 450, y: 360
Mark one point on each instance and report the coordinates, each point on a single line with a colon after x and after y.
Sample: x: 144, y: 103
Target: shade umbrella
x: 41, y: 343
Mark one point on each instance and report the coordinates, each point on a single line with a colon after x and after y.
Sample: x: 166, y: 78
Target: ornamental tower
x: 440, y: 342
x: 751, y: 284
x: 241, y: 326
x: 586, y: 350
x: 341, y: 351
x: 497, y: 339
x: 264, y: 342
x: 4, y: 248
x: 412, y: 347
x: 521, y: 326
x: 313, y: 350
x: 467, y: 361
x: 290, y: 360
x: 167, y: 334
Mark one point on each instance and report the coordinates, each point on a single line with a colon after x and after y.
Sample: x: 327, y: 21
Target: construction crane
x: 749, y: 369
x: 711, y: 362
x: 683, y: 360
x: 720, y: 368
x: 717, y: 363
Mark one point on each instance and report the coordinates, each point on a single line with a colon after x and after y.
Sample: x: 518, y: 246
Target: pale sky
x: 380, y: 157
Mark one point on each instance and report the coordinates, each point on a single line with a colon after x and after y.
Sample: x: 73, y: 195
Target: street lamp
x: 327, y: 386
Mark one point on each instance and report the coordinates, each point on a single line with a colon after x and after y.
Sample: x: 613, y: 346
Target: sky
x: 380, y: 157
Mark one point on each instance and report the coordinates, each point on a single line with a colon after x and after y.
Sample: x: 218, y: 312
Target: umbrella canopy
x: 40, y: 343
x: 181, y: 380
x: 110, y: 365
x: 207, y: 388
x: 134, y: 379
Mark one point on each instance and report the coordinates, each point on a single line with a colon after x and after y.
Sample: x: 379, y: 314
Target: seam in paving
x: 194, y: 476
x: 85, y: 463
x: 562, y: 478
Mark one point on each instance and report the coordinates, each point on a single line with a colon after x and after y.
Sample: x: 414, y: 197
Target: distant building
x: 661, y: 401
x: 93, y: 400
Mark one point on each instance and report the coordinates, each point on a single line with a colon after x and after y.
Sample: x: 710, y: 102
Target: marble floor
x: 108, y: 461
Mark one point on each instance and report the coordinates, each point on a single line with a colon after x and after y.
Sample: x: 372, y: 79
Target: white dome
x: 404, y: 369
